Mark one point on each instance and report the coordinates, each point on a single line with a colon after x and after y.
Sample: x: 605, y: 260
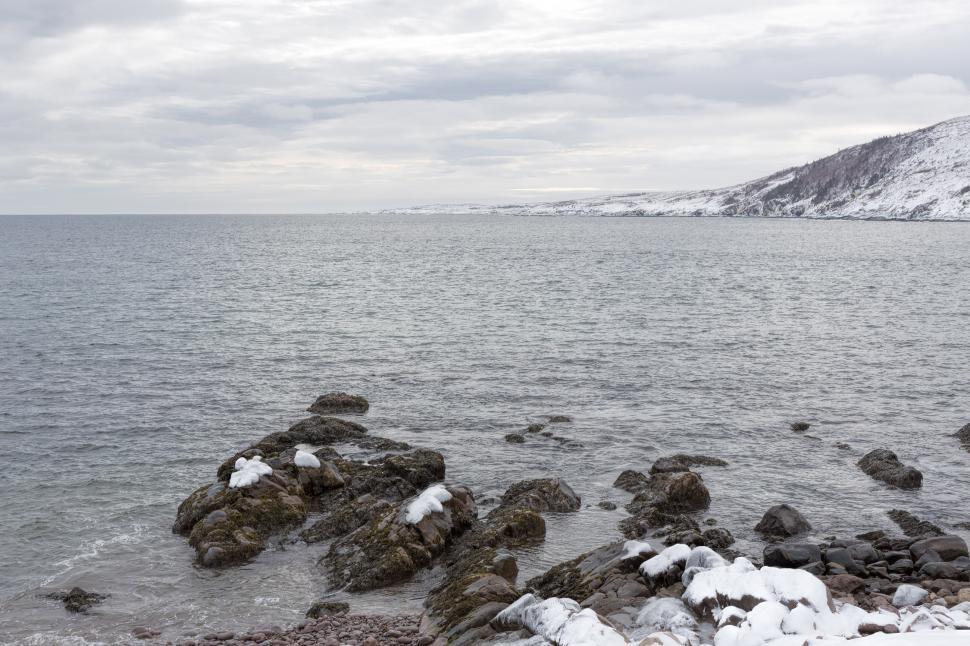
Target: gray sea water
x: 136, y: 353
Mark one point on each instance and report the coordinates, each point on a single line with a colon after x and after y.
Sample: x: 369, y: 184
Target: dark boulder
x: 842, y: 556
x: 610, y: 565
x: 717, y: 538
x: 682, y: 462
x: 607, y: 505
x: 631, y: 481
x: 947, y: 548
x: 547, y: 494
x: 77, y: 599
x: 964, y: 436
x: 782, y: 520
x: 535, y: 428
x: 515, y: 438
x: 800, y: 427
x: 882, y: 464
x: 913, y: 526
x: 671, y: 493
x: 390, y: 549
x: 940, y: 571
x: 792, y: 555
x: 560, y: 419
x: 339, y: 404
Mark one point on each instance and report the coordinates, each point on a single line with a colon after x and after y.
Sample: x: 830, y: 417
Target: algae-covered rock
x: 547, y: 494
x: 671, y: 493
x: 339, y: 403
x: 389, y: 549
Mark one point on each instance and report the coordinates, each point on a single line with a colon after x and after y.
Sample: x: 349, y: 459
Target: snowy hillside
x: 921, y: 175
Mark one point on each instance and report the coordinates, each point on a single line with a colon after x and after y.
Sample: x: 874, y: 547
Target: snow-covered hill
x: 921, y: 175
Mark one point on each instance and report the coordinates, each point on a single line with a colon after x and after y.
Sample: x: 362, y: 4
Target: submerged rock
x: 515, y: 438
x: 882, y: 464
x: 560, y: 419
x: 327, y: 609
x: 683, y: 462
x: 671, y: 493
x: 964, y: 436
x: 631, y: 481
x: 547, y: 494
x: 913, y: 526
x: 782, y: 520
x: 77, y: 599
x: 800, y: 427
x: 339, y: 403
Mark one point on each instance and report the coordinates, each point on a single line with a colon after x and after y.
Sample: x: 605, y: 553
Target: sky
x: 309, y: 106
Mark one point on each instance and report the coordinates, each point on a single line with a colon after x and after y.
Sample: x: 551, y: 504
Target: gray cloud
x: 215, y: 105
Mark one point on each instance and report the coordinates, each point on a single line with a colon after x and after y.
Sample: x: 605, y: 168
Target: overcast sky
x: 321, y: 105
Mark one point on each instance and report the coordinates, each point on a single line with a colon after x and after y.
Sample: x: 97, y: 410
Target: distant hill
x: 920, y: 175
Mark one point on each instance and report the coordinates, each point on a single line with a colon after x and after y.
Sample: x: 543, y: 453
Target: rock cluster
x: 882, y: 464
x: 339, y: 404
x: 77, y: 599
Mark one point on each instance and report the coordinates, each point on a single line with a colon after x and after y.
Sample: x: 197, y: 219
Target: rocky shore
x: 676, y: 581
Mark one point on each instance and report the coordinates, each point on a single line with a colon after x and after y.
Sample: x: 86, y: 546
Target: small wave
x: 95, y: 547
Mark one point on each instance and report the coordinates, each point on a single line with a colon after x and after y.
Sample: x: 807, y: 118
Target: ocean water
x: 136, y: 353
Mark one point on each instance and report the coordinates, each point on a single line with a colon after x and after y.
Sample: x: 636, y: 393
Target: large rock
x: 339, y: 403
x: 792, y: 555
x: 548, y: 494
x: 671, y: 493
x: 912, y: 525
x: 882, y: 464
x: 683, y: 462
x: 610, y: 566
x: 77, y: 599
x: 964, y: 436
x: 389, y: 549
x: 947, y: 548
x: 630, y: 480
x: 782, y: 520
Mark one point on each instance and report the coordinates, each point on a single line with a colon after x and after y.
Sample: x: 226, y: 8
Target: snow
x: 560, y: 621
x: 247, y: 472
x: 306, y: 459
x: 427, y: 503
x: 632, y: 549
x: 667, y: 613
x: 664, y: 562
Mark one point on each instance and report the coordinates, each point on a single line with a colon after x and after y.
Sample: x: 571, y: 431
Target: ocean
x: 137, y: 353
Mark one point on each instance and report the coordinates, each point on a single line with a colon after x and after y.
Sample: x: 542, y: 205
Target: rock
x: 586, y: 574
x: 913, y: 526
x: 327, y: 609
x: 842, y: 446
x: 682, y: 462
x: 631, y: 481
x: 792, y: 555
x: 782, y: 520
x: 535, y: 428
x: 800, y: 427
x: 345, y: 518
x: 515, y: 438
x: 947, y: 547
x: 845, y: 583
x: 817, y: 568
x: 869, y: 537
x: 901, y: 566
x: 671, y: 493
x: 77, y: 599
x: 939, y: 570
x: 338, y: 404
x: 389, y: 549
x: 908, y: 595
x: 864, y: 552
x: 964, y: 436
x: 883, y: 464
x: 717, y: 538
x: 560, y: 419
x: 842, y: 556
x: 607, y: 505
x: 548, y: 494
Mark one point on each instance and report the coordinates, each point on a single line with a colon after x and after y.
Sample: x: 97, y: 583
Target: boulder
x: 947, y: 547
x: 515, y: 438
x: 77, y: 599
x: 800, y: 427
x: 782, y: 520
x: 547, y: 494
x: 908, y: 595
x: 845, y: 583
x: 390, y: 549
x: 882, y: 464
x: 586, y: 574
x: 560, y: 419
x: 631, y: 481
x: 671, y: 493
x: 964, y: 436
x: 792, y: 555
x: 338, y: 404
x: 683, y: 462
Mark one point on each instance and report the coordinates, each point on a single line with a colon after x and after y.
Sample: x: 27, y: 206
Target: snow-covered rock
x: 664, y: 563
x: 306, y: 459
x: 247, y: 472
x: 560, y: 621
x: 920, y: 175
x: 427, y: 503
x: 908, y: 595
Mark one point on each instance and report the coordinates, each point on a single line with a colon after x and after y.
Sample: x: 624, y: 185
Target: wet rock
x: 964, y: 436
x: 389, y: 549
x: 144, y: 633
x: 588, y: 573
x: 671, y: 493
x: 792, y: 555
x: 717, y: 538
x: 683, y: 462
x: 800, y: 427
x: 913, y: 526
x: 874, y: 535
x: 345, y: 518
x: 842, y: 556
x: 842, y: 446
x: 882, y: 464
x: 338, y: 404
x: 535, y: 428
x: 515, y: 438
x: 77, y: 599
x: 782, y: 520
x: 939, y: 570
x: 908, y: 595
x: 947, y: 548
x: 845, y: 583
x: 631, y: 481
x: 327, y: 609
x: 547, y: 494
x: 607, y: 505
x: 560, y: 419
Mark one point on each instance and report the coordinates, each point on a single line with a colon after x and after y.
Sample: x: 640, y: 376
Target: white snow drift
x: 427, y: 503
x: 247, y: 472
x: 306, y: 459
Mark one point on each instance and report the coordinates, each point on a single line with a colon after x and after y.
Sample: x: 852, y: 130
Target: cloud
x: 229, y: 105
